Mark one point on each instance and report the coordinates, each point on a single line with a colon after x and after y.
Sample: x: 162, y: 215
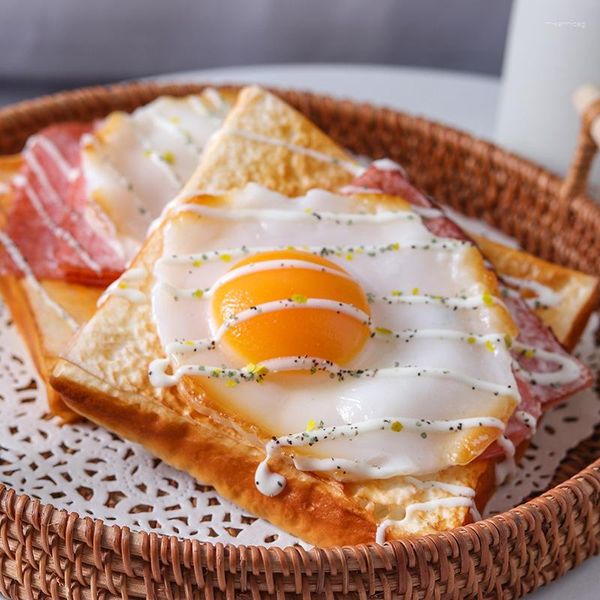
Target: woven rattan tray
x: 45, y: 552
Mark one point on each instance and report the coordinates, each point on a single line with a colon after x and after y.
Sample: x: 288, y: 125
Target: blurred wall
x: 50, y: 44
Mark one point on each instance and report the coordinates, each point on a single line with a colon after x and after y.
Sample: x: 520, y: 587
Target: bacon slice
x: 535, y: 397
x: 56, y: 227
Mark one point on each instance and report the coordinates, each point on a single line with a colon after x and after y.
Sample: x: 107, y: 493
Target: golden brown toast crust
x: 579, y: 293
x: 317, y: 510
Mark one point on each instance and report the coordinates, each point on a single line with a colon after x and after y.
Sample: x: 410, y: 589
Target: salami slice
x: 49, y: 218
x: 535, y: 342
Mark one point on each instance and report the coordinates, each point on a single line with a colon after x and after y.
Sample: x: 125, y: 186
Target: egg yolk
x: 296, y: 330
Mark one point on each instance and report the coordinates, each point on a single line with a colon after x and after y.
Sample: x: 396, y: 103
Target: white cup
x: 553, y: 47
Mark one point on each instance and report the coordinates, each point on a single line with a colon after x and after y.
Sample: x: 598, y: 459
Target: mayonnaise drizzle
x: 215, y: 97
x: 188, y: 346
x: 70, y: 173
x: 121, y: 287
x: 168, y: 125
x: 272, y: 214
x: 125, y: 184
x: 457, y: 302
x: 164, y: 166
x: 359, y: 189
x: 159, y: 377
x: 23, y: 266
x: 569, y: 369
x: 505, y: 468
x: 411, y: 509
x: 257, y: 267
x: 545, y: 296
x: 371, y: 250
x: 387, y: 164
x: 526, y: 419
x: 39, y: 173
x: 451, y: 488
x: 56, y: 229
x: 265, y: 478
x: 507, y: 446
x: 461, y: 496
x: 349, y: 166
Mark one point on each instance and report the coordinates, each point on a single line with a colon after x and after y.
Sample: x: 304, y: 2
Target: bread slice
x: 571, y: 295
x: 48, y: 314
x: 103, y: 375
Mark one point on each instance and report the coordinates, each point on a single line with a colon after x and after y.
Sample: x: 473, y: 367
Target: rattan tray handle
x: 587, y: 102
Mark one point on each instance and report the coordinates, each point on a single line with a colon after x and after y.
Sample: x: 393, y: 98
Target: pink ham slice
x: 535, y: 398
x: 49, y: 217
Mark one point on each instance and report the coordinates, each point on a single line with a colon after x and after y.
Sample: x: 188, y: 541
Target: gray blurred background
x: 46, y: 45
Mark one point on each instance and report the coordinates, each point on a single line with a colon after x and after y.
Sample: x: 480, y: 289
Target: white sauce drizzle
x: 545, y: 296
x: 349, y: 166
x: 267, y: 479
x: 58, y: 231
x: 505, y: 469
x: 159, y: 378
x: 429, y: 213
x: 527, y: 419
x: 165, y: 166
x: 569, y: 370
x: 371, y: 250
x: 276, y: 305
x: 387, y: 164
x: 411, y: 509
x: 55, y: 154
x: 451, y: 488
x: 121, y: 287
x: 261, y: 309
x: 23, y: 266
x: 41, y: 177
x: 118, y: 176
x: 265, y: 265
x: 215, y: 97
x: 507, y: 446
x: 359, y: 189
x: 463, y: 302
x: 168, y: 125
x: 461, y: 496
x: 253, y: 214
x: 489, y: 339
x: 199, y: 107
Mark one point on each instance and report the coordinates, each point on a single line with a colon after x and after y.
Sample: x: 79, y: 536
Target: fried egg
x: 337, y: 327
x: 133, y: 164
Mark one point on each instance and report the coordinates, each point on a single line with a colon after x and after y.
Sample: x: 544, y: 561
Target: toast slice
x: 561, y: 297
x: 48, y: 311
x: 104, y: 373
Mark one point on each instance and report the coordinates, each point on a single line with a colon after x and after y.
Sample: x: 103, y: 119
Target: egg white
x: 283, y: 403
x: 133, y: 164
